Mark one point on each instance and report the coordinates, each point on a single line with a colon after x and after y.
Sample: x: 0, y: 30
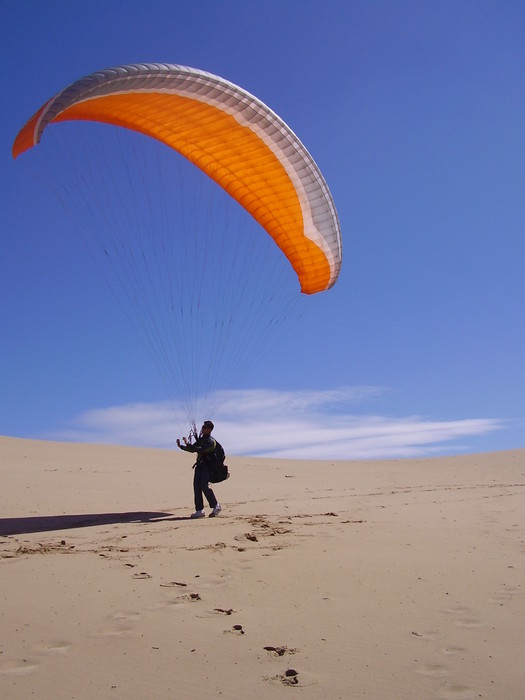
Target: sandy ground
x: 398, y: 579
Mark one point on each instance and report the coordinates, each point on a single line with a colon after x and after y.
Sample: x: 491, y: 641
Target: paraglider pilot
x: 203, y: 446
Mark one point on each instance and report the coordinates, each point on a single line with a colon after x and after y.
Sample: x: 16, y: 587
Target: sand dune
x: 395, y: 579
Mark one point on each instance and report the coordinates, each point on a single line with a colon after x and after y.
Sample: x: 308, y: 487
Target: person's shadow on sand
x: 48, y: 523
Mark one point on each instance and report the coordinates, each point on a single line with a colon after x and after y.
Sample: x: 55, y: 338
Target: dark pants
x: 201, y: 486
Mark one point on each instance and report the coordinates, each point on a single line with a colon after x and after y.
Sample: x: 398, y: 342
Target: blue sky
x: 414, y: 112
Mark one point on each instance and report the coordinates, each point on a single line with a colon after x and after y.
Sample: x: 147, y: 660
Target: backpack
x: 215, y: 460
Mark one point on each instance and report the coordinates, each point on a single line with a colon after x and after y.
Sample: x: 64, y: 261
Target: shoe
x: 198, y: 514
x: 215, y: 511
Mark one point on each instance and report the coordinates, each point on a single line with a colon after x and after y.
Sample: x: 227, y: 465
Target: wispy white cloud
x: 299, y: 425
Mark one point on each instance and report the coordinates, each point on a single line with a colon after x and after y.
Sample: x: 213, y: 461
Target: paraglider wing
x: 227, y: 133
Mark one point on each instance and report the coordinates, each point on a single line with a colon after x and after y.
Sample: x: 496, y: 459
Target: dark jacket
x: 203, y: 446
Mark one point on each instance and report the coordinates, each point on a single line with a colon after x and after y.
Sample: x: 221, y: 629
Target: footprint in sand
x: 425, y: 635
x: 289, y: 677
x: 432, y: 671
x: 216, y: 581
x: 457, y: 692
x: 216, y: 611
x: 457, y: 610
x: 53, y: 648
x: 126, y: 616
x: 119, y: 625
x: 452, y: 651
x: 469, y: 623
x: 180, y: 600
x: 280, y: 651
x: 189, y: 598
x: 467, y: 620
x: 17, y: 668
x: 292, y: 678
x: 501, y: 597
x: 170, y: 602
x: 114, y: 632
